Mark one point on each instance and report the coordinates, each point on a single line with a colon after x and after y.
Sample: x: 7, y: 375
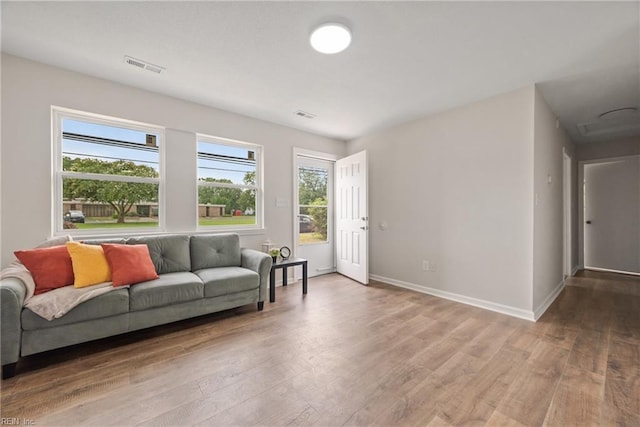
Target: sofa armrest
x: 261, y: 264
x: 12, y: 295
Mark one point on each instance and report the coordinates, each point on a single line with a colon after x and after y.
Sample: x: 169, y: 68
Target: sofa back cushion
x: 98, y: 242
x: 169, y: 253
x: 215, y: 250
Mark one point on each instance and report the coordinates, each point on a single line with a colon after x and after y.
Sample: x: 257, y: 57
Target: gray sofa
x: 198, y: 274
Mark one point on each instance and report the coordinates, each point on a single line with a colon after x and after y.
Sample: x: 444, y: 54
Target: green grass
x: 311, y: 238
x: 228, y: 220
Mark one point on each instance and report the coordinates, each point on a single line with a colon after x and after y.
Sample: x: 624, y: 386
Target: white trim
x: 97, y: 234
x: 538, y: 312
x: 225, y: 141
x: 258, y: 227
x: 609, y: 159
x: 58, y: 114
x: 567, y: 224
x: 328, y: 157
x: 608, y: 270
x: 581, y: 207
x: 575, y: 270
x: 303, y: 152
x: 107, y: 120
x: 487, y: 305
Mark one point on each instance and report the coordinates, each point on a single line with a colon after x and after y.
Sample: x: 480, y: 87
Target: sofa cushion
x: 169, y: 253
x: 55, y: 241
x: 215, y: 250
x: 112, y: 240
x: 169, y: 288
x: 227, y: 280
x: 105, y: 305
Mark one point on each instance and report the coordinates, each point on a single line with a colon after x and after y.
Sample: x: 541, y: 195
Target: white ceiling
x: 407, y: 59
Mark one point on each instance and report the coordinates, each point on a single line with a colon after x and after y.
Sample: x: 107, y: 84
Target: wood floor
x: 347, y: 354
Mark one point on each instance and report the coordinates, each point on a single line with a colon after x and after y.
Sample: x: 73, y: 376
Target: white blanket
x: 56, y: 303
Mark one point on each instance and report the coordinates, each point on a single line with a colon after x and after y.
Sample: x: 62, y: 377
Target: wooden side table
x: 284, y: 264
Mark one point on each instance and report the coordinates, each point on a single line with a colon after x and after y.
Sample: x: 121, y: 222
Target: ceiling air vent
x: 305, y: 114
x: 143, y: 64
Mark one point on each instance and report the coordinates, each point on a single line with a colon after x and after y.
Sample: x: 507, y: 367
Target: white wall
x: 549, y: 140
x: 29, y: 89
x: 456, y: 189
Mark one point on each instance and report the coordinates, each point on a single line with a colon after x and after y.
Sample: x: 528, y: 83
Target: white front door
x: 352, y: 217
x: 314, y: 214
x: 612, y: 215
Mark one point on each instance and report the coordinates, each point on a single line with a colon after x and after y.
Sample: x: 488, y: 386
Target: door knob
x: 588, y: 222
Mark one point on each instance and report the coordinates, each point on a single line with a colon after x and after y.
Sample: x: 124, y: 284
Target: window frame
x: 58, y: 114
x: 259, y: 187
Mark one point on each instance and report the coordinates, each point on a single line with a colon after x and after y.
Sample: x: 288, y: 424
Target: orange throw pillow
x: 51, y: 267
x: 129, y: 264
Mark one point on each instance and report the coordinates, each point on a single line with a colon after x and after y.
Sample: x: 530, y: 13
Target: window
x: 313, y: 204
x: 108, y: 174
x: 229, y: 183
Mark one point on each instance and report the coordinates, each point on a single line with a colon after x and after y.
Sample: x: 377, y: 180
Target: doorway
x: 314, y: 213
x: 567, y: 215
x: 611, y: 215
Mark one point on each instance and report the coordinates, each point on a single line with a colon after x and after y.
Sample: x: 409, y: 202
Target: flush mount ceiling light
x: 330, y: 38
x: 618, y: 113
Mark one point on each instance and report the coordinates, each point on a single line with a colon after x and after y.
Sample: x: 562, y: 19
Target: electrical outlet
x: 425, y: 265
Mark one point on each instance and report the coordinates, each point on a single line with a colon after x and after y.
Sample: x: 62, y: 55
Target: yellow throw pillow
x: 90, y: 265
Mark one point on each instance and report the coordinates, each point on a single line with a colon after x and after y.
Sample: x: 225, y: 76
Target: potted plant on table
x: 274, y: 252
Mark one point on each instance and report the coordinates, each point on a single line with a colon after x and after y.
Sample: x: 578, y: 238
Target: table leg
x: 284, y: 276
x: 304, y: 278
x: 272, y: 285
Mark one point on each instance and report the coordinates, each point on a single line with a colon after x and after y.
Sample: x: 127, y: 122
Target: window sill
x: 239, y: 231
x: 95, y: 234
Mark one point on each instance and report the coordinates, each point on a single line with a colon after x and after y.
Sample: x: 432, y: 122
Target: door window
x: 313, y: 204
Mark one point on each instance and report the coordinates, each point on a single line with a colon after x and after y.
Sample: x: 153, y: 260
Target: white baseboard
x: 487, y: 305
x: 575, y: 270
x: 538, y: 312
x: 607, y: 270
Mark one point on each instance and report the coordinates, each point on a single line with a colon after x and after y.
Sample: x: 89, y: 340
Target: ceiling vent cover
x: 305, y: 114
x: 143, y: 64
